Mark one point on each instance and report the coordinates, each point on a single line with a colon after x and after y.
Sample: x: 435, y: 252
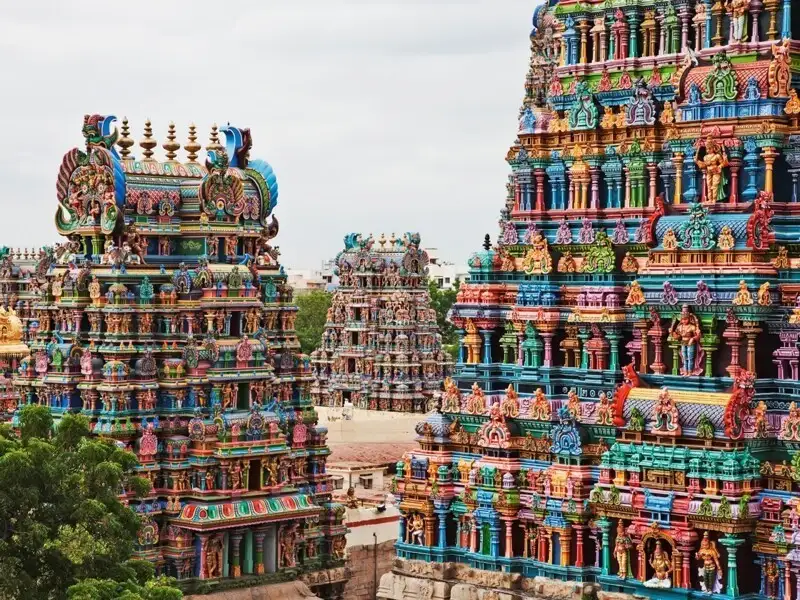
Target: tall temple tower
x: 166, y: 319
x: 381, y: 348
x: 623, y: 410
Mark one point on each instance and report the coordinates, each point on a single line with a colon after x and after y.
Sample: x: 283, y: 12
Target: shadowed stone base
x: 417, y: 580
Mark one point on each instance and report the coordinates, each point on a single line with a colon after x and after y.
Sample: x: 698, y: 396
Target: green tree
x: 61, y: 518
x: 311, y: 316
x: 441, y: 301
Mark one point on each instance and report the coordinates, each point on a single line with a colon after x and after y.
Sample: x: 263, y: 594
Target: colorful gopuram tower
x: 381, y: 348
x: 623, y: 409
x: 166, y: 319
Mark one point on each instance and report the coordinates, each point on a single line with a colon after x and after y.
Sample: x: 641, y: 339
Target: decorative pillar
x: 732, y: 543
x: 495, y: 541
x: 684, y: 18
x: 539, y: 174
x: 690, y: 168
x: 509, y: 540
x: 595, y: 178
x: 583, y: 335
x: 686, y: 578
x: 708, y: 23
x: 473, y: 536
x: 651, y: 196
x: 678, y: 162
x: 236, y: 539
x: 579, y: 545
x: 487, y: 345
x: 633, y: 45
x: 787, y: 581
x: 751, y: 170
x: 260, y: 535
x: 717, y: 11
x: 248, y: 552
x: 771, y: 7
x: 442, y: 541
x: 566, y: 538
x: 583, y: 27
x: 770, y: 154
x: 756, y: 6
x: 547, y: 336
x: 735, y: 162
x: 460, y: 334
x: 613, y: 340
x: 604, y: 524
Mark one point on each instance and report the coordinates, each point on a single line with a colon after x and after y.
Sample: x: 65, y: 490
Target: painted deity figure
x: 686, y: 330
x: 714, y: 163
x: 622, y: 549
x: 640, y: 109
x: 737, y: 9
x: 538, y: 260
x: 743, y: 296
x: 604, y: 410
x: 665, y: 414
x: 710, y: 571
x: 635, y: 295
x: 573, y: 404
x: 764, y: 297
x: 662, y: 568
x: 416, y: 530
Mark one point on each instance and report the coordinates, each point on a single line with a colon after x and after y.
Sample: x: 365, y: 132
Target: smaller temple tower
x: 381, y: 349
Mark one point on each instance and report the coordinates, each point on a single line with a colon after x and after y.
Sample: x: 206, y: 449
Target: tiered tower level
x: 623, y: 408
x: 381, y: 349
x: 166, y: 319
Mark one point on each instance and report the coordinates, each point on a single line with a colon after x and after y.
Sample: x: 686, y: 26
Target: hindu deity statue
x: 764, y: 297
x: 737, y: 9
x: 713, y: 165
x: 743, y: 296
x: 604, y: 410
x: 710, y: 573
x: 635, y: 295
x: 662, y: 568
x: 573, y: 404
x: 538, y: 261
x: 622, y: 550
x: 725, y: 241
x: 540, y: 409
x: 665, y: 414
x: 416, y: 530
x: 472, y: 342
x: 686, y: 330
x: 640, y: 109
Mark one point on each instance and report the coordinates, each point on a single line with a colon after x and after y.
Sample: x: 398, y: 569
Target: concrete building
x: 445, y: 273
x: 306, y: 280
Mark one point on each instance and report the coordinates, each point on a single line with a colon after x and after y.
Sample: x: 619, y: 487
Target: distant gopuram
x: 381, y: 349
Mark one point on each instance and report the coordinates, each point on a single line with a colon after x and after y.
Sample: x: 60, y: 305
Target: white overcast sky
x: 376, y: 115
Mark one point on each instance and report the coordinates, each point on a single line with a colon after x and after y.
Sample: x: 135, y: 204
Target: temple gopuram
x: 381, y: 348
x: 623, y: 411
x: 166, y: 319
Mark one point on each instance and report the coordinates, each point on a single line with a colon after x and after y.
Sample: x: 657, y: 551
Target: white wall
x: 370, y: 426
x: 361, y: 528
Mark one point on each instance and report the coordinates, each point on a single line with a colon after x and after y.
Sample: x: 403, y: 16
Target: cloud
x: 376, y: 115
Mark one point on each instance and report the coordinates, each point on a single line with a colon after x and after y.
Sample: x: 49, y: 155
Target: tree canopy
x: 62, y: 523
x: 311, y: 316
x: 441, y: 301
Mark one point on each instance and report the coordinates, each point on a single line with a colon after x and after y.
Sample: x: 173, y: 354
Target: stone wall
x: 361, y: 562
x: 417, y: 580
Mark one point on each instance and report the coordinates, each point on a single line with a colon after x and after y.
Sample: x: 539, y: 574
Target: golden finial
x: 214, y: 140
x: 148, y: 143
x: 192, y: 147
x: 171, y: 146
x: 392, y: 240
x: 125, y: 142
x: 382, y: 240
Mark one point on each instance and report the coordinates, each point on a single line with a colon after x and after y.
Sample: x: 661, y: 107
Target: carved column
x: 633, y: 45
x: 460, y: 334
x: 677, y: 165
x: 735, y: 163
x: 684, y: 18
x: 442, y: 541
x: 583, y: 27
x: 772, y: 10
x: 657, y: 333
x: 770, y: 154
x: 473, y: 536
x: 605, y: 525
x: 539, y: 173
x: 686, y: 562
x: 651, y: 196
x: 756, y: 6
x: 236, y: 540
x: 627, y: 187
x: 566, y: 538
x: 644, y: 359
x: 487, y: 345
x: 547, y: 336
x: 579, y: 545
x: 595, y: 177
x: 509, y: 540
x: 731, y: 544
